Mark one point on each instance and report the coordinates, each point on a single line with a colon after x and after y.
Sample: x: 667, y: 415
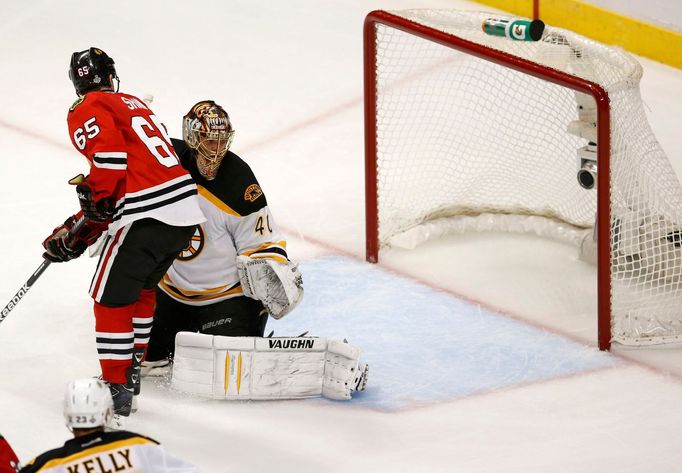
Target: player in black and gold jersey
x: 224, y: 282
x: 88, y: 407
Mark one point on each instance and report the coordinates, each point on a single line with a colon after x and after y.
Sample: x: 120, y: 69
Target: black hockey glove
x: 65, y: 243
x: 60, y: 246
x: 99, y: 211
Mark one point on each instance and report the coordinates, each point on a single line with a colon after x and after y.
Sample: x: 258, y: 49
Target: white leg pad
x: 341, y: 364
x: 234, y: 368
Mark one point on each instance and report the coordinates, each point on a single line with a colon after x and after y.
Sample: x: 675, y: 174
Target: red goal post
x: 442, y: 29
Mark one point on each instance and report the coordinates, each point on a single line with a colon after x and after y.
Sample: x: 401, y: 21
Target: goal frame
x: 601, y: 98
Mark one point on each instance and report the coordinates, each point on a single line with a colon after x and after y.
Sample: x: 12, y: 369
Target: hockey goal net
x: 468, y: 131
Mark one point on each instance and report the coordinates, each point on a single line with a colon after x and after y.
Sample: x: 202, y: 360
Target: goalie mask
x: 207, y: 129
x: 92, y: 69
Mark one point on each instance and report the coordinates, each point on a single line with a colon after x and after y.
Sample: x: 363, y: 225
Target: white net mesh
x: 461, y: 136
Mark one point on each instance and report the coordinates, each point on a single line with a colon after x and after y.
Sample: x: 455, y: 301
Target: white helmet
x: 87, y: 404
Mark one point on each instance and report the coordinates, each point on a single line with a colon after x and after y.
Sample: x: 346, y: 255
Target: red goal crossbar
x: 600, y: 96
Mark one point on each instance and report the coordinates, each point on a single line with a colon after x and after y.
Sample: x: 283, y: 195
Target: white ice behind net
x: 459, y: 137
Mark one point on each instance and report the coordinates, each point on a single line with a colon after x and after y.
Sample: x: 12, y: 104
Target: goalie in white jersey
x: 213, y: 304
x: 236, y: 269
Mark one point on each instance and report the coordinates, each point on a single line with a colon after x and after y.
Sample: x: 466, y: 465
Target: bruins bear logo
x: 252, y: 192
x: 194, y: 247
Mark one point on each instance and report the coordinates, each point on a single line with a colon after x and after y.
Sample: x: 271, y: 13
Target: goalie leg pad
x: 235, y: 368
x: 343, y: 374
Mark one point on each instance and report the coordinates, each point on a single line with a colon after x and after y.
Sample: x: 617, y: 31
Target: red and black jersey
x: 132, y: 160
x: 9, y: 463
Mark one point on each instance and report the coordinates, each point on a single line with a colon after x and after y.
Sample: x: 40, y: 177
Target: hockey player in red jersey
x: 87, y: 407
x: 9, y: 463
x: 147, y: 202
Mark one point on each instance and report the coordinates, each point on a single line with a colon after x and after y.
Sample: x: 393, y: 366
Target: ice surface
x: 423, y: 344
x: 453, y: 386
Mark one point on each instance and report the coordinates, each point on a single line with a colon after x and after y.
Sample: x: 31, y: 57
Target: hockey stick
x: 34, y: 277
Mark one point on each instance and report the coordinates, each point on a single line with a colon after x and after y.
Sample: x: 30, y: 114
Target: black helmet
x: 90, y: 69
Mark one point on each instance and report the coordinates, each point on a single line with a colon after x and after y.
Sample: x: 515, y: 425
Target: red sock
x: 115, y: 337
x: 143, y: 317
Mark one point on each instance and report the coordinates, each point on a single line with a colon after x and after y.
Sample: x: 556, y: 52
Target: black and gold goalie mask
x: 207, y: 129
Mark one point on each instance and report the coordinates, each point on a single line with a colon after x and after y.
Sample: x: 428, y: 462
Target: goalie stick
x: 34, y: 277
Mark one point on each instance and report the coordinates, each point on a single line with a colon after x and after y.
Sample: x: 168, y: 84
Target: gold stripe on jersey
x: 216, y: 201
x: 187, y: 292
x: 97, y: 450
x: 273, y: 250
x: 195, y: 296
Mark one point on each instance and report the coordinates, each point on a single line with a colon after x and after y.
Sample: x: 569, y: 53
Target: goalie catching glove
x: 279, y: 286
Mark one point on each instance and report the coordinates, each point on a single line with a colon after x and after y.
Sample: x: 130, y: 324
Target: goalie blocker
x: 237, y: 368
